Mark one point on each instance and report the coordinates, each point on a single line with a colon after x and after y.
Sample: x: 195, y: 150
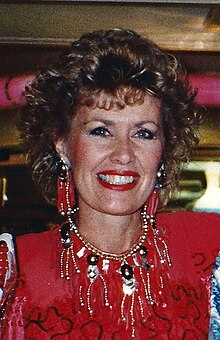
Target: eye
x: 100, y: 131
x: 145, y: 134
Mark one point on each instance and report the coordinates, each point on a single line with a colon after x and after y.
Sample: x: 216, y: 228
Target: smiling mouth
x: 117, y: 179
x: 113, y: 180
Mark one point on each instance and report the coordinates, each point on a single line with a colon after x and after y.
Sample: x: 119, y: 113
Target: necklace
x: 138, y: 275
x: 109, y: 256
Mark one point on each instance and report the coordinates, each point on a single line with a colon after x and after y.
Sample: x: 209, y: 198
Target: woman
x: 105, y: 128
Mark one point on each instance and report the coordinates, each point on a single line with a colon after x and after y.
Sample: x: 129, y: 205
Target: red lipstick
x: 118, y: 187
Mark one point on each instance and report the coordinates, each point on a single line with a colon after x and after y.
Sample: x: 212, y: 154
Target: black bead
x: 127, y: 271
x: 92, y: 259
x: 143, y: 251
x: 65, y: 231
x: 67, y: 243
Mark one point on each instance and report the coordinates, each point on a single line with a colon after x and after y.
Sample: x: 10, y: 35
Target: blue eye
x: 145, y: 134
x: 99, y: 131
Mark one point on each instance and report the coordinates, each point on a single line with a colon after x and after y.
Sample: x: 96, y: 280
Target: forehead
x: 149, y: 109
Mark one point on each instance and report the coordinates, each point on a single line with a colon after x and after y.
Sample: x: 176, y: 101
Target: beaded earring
x: 161, y: 174
x: 65, y: 189
x: 151, y: 209
x: 153, y: 200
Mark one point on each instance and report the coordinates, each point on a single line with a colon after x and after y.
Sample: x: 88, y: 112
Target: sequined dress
x: 44, y: 306
x: 215, y: 302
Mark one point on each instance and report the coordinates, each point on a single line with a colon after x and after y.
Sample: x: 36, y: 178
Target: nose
x: 123, y: 152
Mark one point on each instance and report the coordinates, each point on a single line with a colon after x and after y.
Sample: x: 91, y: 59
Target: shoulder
x: 192, y: 233
x: 37, y: 238
x: 33, y: 245
x: 192, y: 222
x: 184, y: 217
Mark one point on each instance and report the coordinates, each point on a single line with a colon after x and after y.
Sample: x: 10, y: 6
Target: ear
x: 61, y: 149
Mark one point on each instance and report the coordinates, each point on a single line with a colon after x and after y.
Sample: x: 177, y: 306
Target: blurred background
x: 33, y: 33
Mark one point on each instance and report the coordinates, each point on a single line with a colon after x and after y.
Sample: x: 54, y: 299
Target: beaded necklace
x: 141, y: 271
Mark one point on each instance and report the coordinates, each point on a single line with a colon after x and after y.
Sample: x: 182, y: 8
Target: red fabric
x: 3, y: 262
x: 47, y: 307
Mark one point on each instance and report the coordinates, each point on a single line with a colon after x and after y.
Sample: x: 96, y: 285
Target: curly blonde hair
x: 107, y: 62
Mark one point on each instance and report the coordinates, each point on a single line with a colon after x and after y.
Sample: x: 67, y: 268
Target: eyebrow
x: 143, y: 122
x: 104, y: 121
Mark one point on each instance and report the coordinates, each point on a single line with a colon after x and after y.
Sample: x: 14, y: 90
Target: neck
x: 109, y: 233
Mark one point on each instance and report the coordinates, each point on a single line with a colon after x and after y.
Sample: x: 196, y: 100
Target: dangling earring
x: 152, y: 205
x: 65, y: 189
x: 160, y: 177
x: 153, y: 200
x: 150, y: 210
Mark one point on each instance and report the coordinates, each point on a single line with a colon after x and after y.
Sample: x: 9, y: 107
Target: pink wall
x: 11, y: 90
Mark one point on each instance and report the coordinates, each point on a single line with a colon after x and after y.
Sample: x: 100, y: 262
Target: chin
x: 120, y: 209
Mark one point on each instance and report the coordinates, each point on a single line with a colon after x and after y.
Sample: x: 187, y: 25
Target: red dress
x: 48, y: 307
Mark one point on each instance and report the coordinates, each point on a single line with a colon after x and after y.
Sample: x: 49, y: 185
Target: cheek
x: 153, y: 157
x: 82, y: 155
x: 75, y: 152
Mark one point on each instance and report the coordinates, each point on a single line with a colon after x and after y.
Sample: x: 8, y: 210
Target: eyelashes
x: 146, y: 134
x: 99, y: 131
x: 141, y: 133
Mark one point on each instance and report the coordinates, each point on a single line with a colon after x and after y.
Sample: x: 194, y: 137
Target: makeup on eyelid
x: 143, y: 129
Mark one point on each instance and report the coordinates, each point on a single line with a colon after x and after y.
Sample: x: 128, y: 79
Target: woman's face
x: 115, y: 155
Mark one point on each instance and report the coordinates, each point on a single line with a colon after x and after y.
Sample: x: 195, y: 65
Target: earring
x: 65, y: 188
x: 161, y: 174
x: 153, y: 201
x: 152, y: 204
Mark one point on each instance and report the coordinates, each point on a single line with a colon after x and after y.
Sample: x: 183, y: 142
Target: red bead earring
x: 153, y: 201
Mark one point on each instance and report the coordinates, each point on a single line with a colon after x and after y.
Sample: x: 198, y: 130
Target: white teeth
x: 116, y: 179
